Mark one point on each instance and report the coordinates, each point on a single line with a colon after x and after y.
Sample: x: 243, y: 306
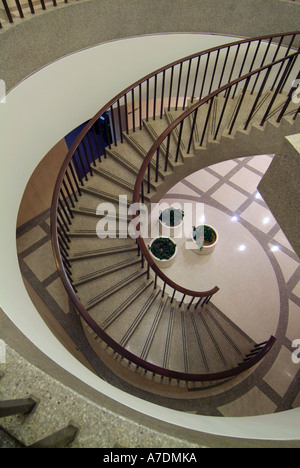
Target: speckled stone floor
x: 231, y: 189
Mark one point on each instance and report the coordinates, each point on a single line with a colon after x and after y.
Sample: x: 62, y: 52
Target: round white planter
x: 206, y: 249
x: 171, y: 231
x: 165, y: 263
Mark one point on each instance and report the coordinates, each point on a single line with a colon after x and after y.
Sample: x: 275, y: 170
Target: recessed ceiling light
x: 242, y: 248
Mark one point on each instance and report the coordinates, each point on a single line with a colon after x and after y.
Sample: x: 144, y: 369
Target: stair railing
x: 191, y: 76
x: 269, y: 77
x: 195, y: 76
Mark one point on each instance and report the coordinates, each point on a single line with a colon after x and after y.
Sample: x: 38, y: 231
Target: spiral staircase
x: 179, y: 119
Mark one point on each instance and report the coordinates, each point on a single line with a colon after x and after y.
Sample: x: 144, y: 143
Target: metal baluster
x: 108, y: 135
x: 7, y: 11
x: 254, y: 57
x: 63, y: 220
x: 157, y: 164
x: 147, y: 101
x: 74, y: 178
x: 126, y: 113
x: 19, y: 9
x: 178, y: 86
x: 86, y: 156
x: 187, y: 84
x: 97, y: 123
x: 206, y: 122
x: 96, y: 142
x: 133, y: 109
x: 239, y: 105
x: 204, y: 76
x: 222, y: 114
x: 112, y: 117
x: 179, y: 140
x: 162, y: 94
x: 149, y: 178
x: 192, y: 130
x: 140, y: 106
x: 65, y: 211
x: 257, y: 98
x: 120, y: 120
x: 167, y: 152
x: 81, y: 163
x: 63, y: 240
x: 173, y: 295
x: 224, y: 66
x: 181, y: 302
x: 63, y: 230
x: 241, y: 69
x: 68, y: 194
x: 171, y: 86
x: 195, y: 79
x: 214, y: 72
x: 154, y: 98
x: 91, y: 148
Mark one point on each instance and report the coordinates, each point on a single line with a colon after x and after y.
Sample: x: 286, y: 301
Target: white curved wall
x: 37, y: 114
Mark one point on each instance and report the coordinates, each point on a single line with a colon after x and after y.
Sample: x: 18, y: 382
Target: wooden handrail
x: 54, y: 222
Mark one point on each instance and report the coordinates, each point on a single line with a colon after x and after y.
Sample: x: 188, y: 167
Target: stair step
x: 153, y: 329
x: 104, y: 271
x: 141, y: 142
x: 155, y: 129
x: 159, y: 351
x: 114, y: 178
x: 176, y: 350
x: 104, y: 195
x: 137, y: 321
x: 128, y: 302
x: 113, y: 289
x: 102, y: 252
x: 127, y: 159
x: 172, y: 115
x: 211, y: 354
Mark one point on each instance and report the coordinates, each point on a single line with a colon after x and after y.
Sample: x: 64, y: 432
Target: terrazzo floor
x: 229, y: 192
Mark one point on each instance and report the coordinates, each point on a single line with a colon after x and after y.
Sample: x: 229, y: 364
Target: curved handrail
x: 72, y: 182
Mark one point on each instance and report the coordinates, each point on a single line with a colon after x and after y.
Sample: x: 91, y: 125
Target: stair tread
x: 91, y: 291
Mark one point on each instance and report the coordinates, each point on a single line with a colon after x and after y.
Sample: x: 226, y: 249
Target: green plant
x: 163, y: 248
x: 172, y: 217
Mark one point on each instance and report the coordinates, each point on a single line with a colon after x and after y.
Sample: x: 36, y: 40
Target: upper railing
x: 22, y: 8
x: 203, y: 74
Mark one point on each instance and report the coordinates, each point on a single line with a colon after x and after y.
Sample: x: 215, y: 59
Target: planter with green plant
x: 171, y: 221
x: 205, y: 238
x: 163, y: 250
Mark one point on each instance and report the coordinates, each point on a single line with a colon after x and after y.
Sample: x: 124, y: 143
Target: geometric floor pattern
x: 232, y: 188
